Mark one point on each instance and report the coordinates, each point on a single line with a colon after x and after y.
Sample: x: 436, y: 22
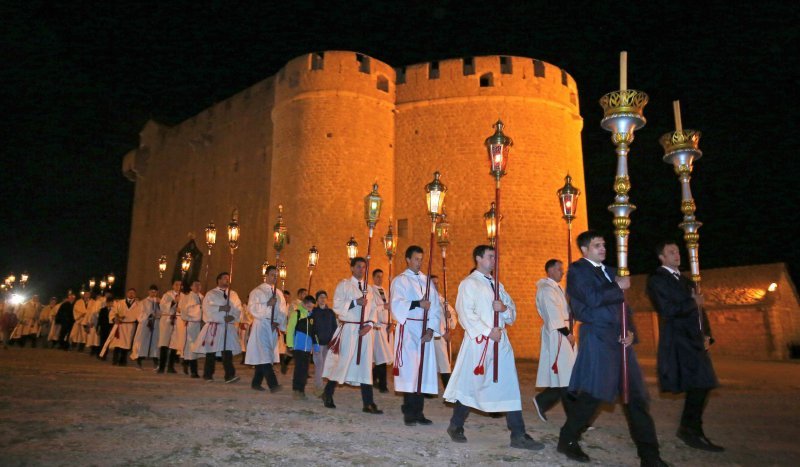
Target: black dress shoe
x: 328, y: 402
x: 657, y: 462
x: 372, y: 408
x: 410, y: 421
x: 456, y: 434
x: 423, y: 421
x: 697, y: 440
x: 573, y: 451
x: 525, y: 441
x: 257, y: 388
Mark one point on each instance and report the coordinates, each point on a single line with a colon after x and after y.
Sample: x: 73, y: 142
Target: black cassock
x: 683, y: 362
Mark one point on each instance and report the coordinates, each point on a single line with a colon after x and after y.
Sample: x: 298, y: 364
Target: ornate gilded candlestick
x: 681, y: 150
x: 622, y: 115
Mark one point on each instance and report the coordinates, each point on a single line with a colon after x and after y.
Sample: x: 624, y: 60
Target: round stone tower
x: 445, y: 111
x: 333, y: 137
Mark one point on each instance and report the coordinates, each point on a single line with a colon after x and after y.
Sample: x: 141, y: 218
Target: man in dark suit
x: 684, y: 338
x: 596, y: 297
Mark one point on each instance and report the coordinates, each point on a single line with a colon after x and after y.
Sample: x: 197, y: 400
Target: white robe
x: 122, y: 332
x: 476, y: 316
x: 170, y: 331
x: 55, y: 328
x: 245, y: 322
x: 145, y: 342
x: 443, y: 363
x: 191, y: 311
x: 90, y: 323
x: 217, y: 335
x: 78, y: 333
x: 406, y: 288
x: 262, y: 346
x: 554, y: 310
x: 341, y: 366
x: 45, y: 319
x: 382, y: 345
x: 27, y: 320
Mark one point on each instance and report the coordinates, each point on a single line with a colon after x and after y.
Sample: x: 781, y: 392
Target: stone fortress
x: 318, y: 134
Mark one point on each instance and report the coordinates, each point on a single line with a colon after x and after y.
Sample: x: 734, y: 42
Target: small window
x: 433, y: 70
x: 505, y: 65
x: 402, y: 228
x: 317, y: 60
x: 538, y: 68
x: 363, y: 63
x: 487, y: 80
x: 469, y: 66
x: 383, y: 83
x: 563, y: 77
x: 400, y: 74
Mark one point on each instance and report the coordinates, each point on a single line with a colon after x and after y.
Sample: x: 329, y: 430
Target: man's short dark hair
x: 301, y: 290
x: 310, y: 299
x: 480, y: 250
x: 286, y: 292
x: 128, y: 290
x: 376, y: 272
x: 321, y: 292
x: 550, y: 263
x: 662, y: 244
x: 356, y: 260
x: 413, y: 249
x: 271, y: 268
x: 585, y: 238
x: 221, y: 275
x: 153, y: 287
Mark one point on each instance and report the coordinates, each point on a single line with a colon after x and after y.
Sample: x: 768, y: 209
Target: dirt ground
x: 66, y: 408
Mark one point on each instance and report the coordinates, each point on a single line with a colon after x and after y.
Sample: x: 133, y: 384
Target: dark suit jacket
x: 683, y: 362
x: 597, y: 304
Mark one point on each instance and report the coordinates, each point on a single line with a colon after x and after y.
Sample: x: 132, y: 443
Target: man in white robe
x: 169, y: 329
x: 27, y: 322
x: 90, y: 325
x: 55, y: 327
x: 124, y: 315
x: 191, y: 311
x: 268, y: 308
x: 145, y: 342
x: 472, y: 384
x: 408, y: 309
x: 221, y: 311
x: 382, y: 345
x: 81, y: 307
x: 342, y: 365
x: 442, y: 344
x: 557, y: 352
x: 46, y: 317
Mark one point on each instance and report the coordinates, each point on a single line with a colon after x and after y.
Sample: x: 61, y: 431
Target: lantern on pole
x: 372, y: 212
x: 434, y: 196
x: 233, y: 236
x: 264, y: 267
x: 279, y: 233
x: 111, y: 278
x: 211, y: 239
x: 498, y: 147
x: 352, y: 247
x: 568, y: 199
x: 162, y: 265
x: 313, y: 258
x: 186, y: 263
x: 390, y: 247
x: 490, y: 219
x: 103, y: 285
x: 282, y: 273
x: 92, y: 282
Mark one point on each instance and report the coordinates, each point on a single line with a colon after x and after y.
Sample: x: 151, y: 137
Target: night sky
x: 79, y: 80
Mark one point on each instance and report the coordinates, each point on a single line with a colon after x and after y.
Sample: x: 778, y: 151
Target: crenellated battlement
x: 494, y: 75
x: 339, y: 72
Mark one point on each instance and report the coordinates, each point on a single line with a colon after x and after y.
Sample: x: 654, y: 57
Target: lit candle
x: 623, y: 71
x: 676, y: 109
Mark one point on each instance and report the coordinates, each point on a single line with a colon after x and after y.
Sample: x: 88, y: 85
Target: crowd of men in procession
x: 408, y: 327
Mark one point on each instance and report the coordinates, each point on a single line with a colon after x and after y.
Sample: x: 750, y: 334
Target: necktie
x: 677, y: 275
x: 490, y: 282
x: 360, y: 287
x: 603, y: 271
x: 225, y: 295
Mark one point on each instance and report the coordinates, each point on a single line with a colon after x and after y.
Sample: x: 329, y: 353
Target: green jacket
x: 290, y: 328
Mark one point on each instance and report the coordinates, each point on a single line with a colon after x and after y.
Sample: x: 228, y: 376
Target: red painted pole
x: 496, y: 276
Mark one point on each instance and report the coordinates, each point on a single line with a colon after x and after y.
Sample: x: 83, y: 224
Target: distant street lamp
x: 568, y: 198
x: 352, y: 248
x: 313, y: 258
x: 233, y: 237
x: 162, y: 265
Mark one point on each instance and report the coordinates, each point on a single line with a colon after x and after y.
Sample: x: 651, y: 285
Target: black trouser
x: 692, y: 417
x: 63, y: 334
x: 166, y: 359
x: 192, y: 366
x: 514, y: 420
x: 301, y: 359
x: 413, y: 405
x: 120, y: 356
x: 227, y: 363
x: 265, y: 370
x: 640, y: 423
x: 366, y: 392
x: 379, y: 377
x: 445, y: 379
x: 548, y: 398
